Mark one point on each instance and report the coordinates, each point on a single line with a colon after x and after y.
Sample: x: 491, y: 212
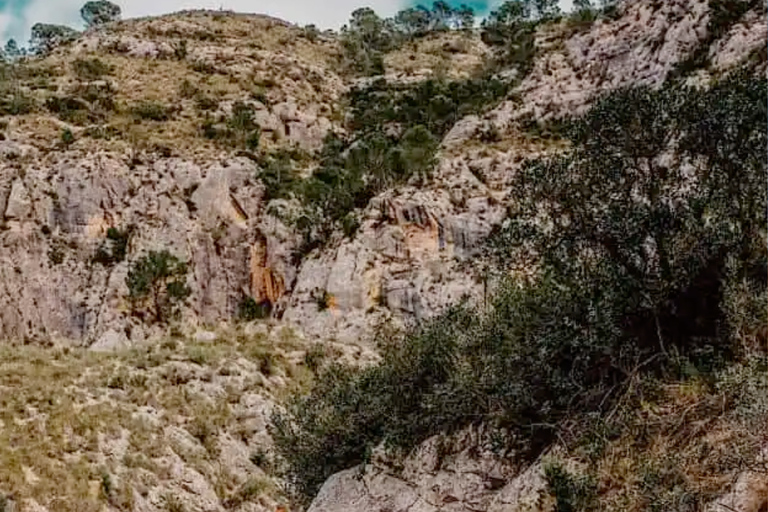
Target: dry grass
x: 80, y: 429
x: 451, y: 55
x: 226, y: 57
x: 678, y: 446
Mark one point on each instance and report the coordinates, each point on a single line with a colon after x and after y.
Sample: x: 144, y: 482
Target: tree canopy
x: 99, y: 12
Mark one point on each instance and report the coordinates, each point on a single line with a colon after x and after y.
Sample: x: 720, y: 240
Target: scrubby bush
x: 67, y: 137
x: 89, y: 103
x: 278, y: 175
x: 636, y: 233
x: 114, y: 249
x: 157, y: 286
x: 365, y: 40
x: 572, y: 493
x: 249, y: 310
x: 239, y: 130
x: 16, y: 104
x: 91, y: 69
x: 151, y: 111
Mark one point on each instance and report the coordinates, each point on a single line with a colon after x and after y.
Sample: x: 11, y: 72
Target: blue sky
x: 17, y: 16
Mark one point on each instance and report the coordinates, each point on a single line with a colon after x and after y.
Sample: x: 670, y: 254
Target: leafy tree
x: 157, y: 285
x: 466, y: 17
x: 46, y: 37
x: 99, y: 12
x: 547, y: 10
x: 413, y: 22
x: 365, y: 39
x: 415, y: 155
x: 583, y: 12
x: 442, y: 15
x: 511, y: 30
x: 12, y: 50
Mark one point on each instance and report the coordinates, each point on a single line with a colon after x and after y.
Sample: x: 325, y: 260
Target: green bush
x: 572, y: 493
x: 633, y: 252
x: 151, y: 110
x: 91, y: 69
x: 89, y: 103
x: 47, y: 37
x: 375, y: 156
x: 114, y: 249
x: 278, y: 175
x: 67, y: 137
x: 239, y: 130
x: 17, y: 104
x: 157, y: 286
x: 249, y: 309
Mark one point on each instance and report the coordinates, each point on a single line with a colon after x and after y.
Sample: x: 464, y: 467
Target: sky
x: 17, y: 16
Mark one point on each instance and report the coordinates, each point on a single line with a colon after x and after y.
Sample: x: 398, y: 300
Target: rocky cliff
x: 182, y: 192
x: 137, y: 159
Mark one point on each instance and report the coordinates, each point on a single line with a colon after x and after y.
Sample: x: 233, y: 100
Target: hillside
x: 253, y: 266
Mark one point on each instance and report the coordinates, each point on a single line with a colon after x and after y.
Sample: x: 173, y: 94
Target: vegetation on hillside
x: 649, y: 237
x: 157, y: 285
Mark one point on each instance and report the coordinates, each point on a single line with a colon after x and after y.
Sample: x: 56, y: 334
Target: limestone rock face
x: 57, y: 214
x: 415, y: 250
x: 431, y: 481
x: 410, y: 259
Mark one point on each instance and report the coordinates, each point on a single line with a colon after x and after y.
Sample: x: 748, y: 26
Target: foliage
x: 394, y: 136
x: 365, y: 39
x: 16, y: 104
x: 12, y: 50
x: 157, y: 285
x: 249, y: 310
x: 631, y: 231
x: 150, y: 110
x: 511, y: 29
x: 724, y: 14
x: 89, y: 103
x: 114, y: 249
x: 91, y: 69
x: 47, y: 37
x: 67, y: 137
x: 239, y: 130
x: 277, y: 173
x: 572, y: 493
x: 99, y: 12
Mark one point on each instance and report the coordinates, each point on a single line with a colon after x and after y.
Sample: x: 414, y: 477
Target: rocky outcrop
x: 412, y: 255
x: 57, y: 212
x: 436, y: 477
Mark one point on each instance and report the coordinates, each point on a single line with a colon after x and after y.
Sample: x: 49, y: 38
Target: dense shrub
x: 724, y: 14
x: 17, y: 103
x: 91, y: 69
x: 394, y: 135
x: 151, y: 111
x: 249, y: 309
x: 572, y: 493
x: 88, y: 103
x: 637, y: 232
x: 115, y: 248
x: 239, y: 130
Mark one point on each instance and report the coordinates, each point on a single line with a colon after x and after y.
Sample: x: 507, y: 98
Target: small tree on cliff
x: 99, y: 12
x: 157, y: 285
